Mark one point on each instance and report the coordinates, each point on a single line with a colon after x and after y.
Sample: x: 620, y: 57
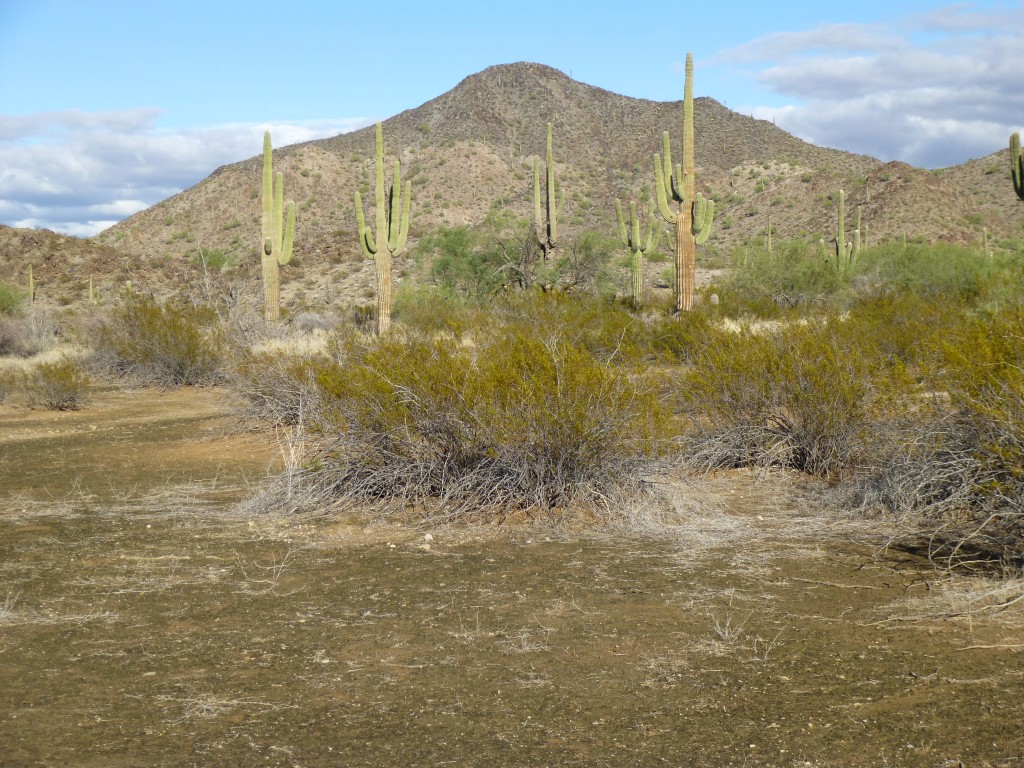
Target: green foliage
x: 502, y: 254
x: 516, y: 421
x: 163, y: 344
x: 955, y: 272
x: 959, y: 467
x: 11, y: 299
x: 57, y: 386
x: 801, y: 397
x: 793, y: 273
x: 465, y: 262
x: 214, y: 258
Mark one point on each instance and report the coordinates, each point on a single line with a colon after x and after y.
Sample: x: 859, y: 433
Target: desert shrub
x: 276, y: 388
x: 428, y: 308
x: 516, y: 421
x: 57, y: 386
x: 795, y: 273
x: 605, y: 328
x: 957, y: 273
x: 162, y: 344
x: 464, y: 262
x: 958, y: 469
x: 799, y: 397
x: 899, y: 327
x: 503, y: 253
x: 8, y: 381
x: 10, y: 299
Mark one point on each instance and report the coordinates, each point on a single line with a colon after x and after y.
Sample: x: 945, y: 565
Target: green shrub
x: 958, y: 467
x: 162, y: 344
x: 798, y: 397
x: 795, y: 273
x: 519, y: 420
x: 956, y: 273
x: 58, y: 386
x: 10, y: 299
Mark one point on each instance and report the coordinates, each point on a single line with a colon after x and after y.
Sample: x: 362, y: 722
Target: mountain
x: 471, y: 149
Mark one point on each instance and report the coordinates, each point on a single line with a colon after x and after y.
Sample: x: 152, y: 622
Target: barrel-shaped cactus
x: 694, y: 213
x: 639, y: 246
x: 276, y: 234
x: 392, y: 219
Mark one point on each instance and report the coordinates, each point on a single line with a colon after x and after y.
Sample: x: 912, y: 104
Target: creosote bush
x: 799, y: 397
x: 516, y: 421
x: 10, y: 299
x: 957, y: 471
x: 277, y: 389
x: 57, y: 386
x: 165, y: 344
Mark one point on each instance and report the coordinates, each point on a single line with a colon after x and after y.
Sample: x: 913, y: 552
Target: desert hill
x: 469, y: 150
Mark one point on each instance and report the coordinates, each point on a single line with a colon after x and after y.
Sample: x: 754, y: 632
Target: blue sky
x: 109, y: 106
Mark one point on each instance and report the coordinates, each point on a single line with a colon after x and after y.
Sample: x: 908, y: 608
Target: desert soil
x: 146, y: 619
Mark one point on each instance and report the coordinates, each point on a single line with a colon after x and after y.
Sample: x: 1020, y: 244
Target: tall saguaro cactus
x: 392, y: 219
x: 1017, y: 165
x: 545, y: 214
x: 638, y: 247
x: 693, y: 213
x: 277, y: 236
x: 846, y: 251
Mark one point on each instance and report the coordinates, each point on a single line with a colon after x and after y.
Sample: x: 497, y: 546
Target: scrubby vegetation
x: 511, y: 386
x: 166, y: 344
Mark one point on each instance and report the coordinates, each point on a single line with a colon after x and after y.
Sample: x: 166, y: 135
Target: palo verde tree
x: 276, y: 240
x: 638, y: 246
x: 1017, y: 165
x: 392, y: 218
x: 693, y: 213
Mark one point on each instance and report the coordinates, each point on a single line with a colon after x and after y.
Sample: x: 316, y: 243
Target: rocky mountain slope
x: 470, y: 149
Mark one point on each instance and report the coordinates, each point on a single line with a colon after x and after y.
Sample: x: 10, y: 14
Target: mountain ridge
x: 469, y: 150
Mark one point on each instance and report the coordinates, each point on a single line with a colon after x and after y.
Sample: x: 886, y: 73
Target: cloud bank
x: 932, y: 90
x: 80, y: 172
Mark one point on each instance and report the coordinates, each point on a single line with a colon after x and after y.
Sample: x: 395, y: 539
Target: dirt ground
x: 147, y: 620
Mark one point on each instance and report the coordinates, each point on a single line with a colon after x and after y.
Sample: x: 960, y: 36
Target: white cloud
x: 79, y: 172
x: 933, y: 90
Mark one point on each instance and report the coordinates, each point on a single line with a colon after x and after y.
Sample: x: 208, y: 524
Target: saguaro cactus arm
x: 1017, y: 165
x: 629, y: 233
x: 703, y: 215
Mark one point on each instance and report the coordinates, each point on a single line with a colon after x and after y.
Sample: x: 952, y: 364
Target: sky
x: 109, y: 106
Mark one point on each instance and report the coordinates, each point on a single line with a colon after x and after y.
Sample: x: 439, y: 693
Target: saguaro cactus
x: 1017, y: 165
x: 694, y: 213
x: 846, y: 252
x: 276, y: 236
x: 638, y: 247
x: 545, y: 215
x: 392, y: 218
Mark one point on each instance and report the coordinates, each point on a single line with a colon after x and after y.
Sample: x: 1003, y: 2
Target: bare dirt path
x: 145, y: 622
